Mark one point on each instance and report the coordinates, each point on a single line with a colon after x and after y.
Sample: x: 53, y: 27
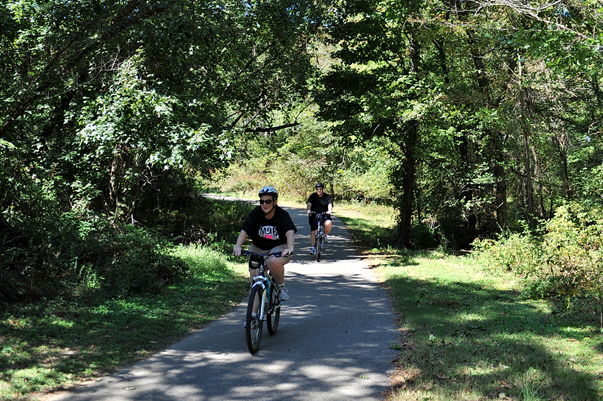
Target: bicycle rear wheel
x: 254, y: 325
x: 274, y: 318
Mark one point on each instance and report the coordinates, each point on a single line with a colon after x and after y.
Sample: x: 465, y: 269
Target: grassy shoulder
x: 50, y: 346
x: 467, y: 334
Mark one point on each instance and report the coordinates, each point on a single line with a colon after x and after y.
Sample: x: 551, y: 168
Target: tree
x: 471, y: 77
x: 119, y: 98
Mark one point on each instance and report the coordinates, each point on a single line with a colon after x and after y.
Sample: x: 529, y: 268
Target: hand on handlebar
x: 236, y: 251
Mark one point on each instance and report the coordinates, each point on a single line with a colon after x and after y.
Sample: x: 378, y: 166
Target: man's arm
x: 237, y: 248
x: 309, y: 207
x: 290, y: 242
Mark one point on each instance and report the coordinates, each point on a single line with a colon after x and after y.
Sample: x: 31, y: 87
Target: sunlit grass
x: 49, y: 346
x: 469, y: 335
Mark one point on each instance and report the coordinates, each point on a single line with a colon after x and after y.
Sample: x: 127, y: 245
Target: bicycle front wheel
x: 318, y: 246
x: 253, y: 323
x: 274, y: 317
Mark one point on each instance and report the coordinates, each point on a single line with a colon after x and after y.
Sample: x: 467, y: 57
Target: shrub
x: 422, y: 236
x: 565, y: 259
x: 69, y: 255
x: 572, y: 250
x: 516, y: 252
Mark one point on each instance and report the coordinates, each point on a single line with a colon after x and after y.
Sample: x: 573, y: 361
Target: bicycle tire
x: 273, y: 318
x: 253, y: 326
x: 318, y: 246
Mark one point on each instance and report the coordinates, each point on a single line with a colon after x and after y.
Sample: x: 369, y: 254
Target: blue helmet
x: 268, y: 191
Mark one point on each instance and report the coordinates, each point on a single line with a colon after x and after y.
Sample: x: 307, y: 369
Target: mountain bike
x: 264, y: 302
x: 320, y: 233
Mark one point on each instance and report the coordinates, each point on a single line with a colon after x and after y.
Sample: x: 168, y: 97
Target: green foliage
x: 294, y: 160
x: 68, y: 254
x: 563, y: 261
x: 199, y: 220
x: 422, y: 236
x: 64, y: 255
x: 516, y: 252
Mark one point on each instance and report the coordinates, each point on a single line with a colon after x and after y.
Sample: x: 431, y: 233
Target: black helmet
x: 319, y: 185
x: 268, y: 191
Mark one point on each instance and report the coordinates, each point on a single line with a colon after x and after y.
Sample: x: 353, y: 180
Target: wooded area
x: 473, y: 118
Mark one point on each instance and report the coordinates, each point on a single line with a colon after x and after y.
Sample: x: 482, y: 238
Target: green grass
x: 469, y: 335
x: 53, y: 345
x: 371, y: 226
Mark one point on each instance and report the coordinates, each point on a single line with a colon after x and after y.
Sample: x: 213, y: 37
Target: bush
x: 199, y: 220
x: 516, y: 252
x: 422, y: 236
x: 69, y: 255
x: 564, y: 259
x: 572, y: 250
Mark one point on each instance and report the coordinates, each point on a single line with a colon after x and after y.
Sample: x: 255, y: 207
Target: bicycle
x: 320, y: 233
x: 264, y: 299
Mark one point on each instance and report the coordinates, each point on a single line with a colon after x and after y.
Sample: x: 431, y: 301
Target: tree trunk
x: 526, y: 145
x: 408, y: 183
x: 501, y: 195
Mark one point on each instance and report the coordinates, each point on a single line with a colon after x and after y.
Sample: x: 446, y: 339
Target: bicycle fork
x: 263, y: 308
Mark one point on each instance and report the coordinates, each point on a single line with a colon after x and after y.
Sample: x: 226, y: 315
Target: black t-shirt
x: 268, y: 233
x: 320, y: 204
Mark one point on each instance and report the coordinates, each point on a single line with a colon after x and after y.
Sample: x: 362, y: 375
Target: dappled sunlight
x: 464, y: 335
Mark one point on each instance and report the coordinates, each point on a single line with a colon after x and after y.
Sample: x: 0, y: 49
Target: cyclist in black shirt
x: 319, y: 202
x: 271, y: 230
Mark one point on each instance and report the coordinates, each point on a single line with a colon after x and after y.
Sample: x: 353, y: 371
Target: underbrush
x: 561, y: 260
x: 108, y: 300
x: 71, y: 256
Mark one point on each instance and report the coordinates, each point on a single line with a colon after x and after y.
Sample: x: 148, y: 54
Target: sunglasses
x: 267, y: 201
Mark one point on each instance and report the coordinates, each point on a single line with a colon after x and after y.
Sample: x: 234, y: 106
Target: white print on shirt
x: 269, y: 232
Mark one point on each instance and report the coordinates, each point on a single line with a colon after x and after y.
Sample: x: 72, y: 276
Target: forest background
x: 479, y: 122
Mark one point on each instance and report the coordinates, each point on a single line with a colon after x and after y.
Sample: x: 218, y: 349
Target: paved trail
x: 332, y: 343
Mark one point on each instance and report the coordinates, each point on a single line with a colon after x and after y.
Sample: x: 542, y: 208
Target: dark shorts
x: 314, y: 224
x: 278, y: 248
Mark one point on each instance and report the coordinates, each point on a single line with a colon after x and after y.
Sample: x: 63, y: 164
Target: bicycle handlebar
x: 321, y: 213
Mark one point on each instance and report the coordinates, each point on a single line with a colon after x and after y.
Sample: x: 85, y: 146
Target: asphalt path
x: 333, y: 341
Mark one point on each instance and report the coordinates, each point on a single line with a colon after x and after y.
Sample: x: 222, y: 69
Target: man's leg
x: 328, y: 226
x: 252, y: 273
x: 277, y: 267
x: 313, y: 238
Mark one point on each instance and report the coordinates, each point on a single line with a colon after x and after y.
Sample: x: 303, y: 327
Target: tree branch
x: 271, y: 129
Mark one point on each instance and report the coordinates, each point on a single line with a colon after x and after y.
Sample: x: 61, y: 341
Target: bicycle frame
x: 264, y: 291
x: 319, y: 236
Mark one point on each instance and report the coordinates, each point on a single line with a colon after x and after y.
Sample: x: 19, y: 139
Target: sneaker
x: 313, y: 251
x: 326, y: 238
x: 283, y: 294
